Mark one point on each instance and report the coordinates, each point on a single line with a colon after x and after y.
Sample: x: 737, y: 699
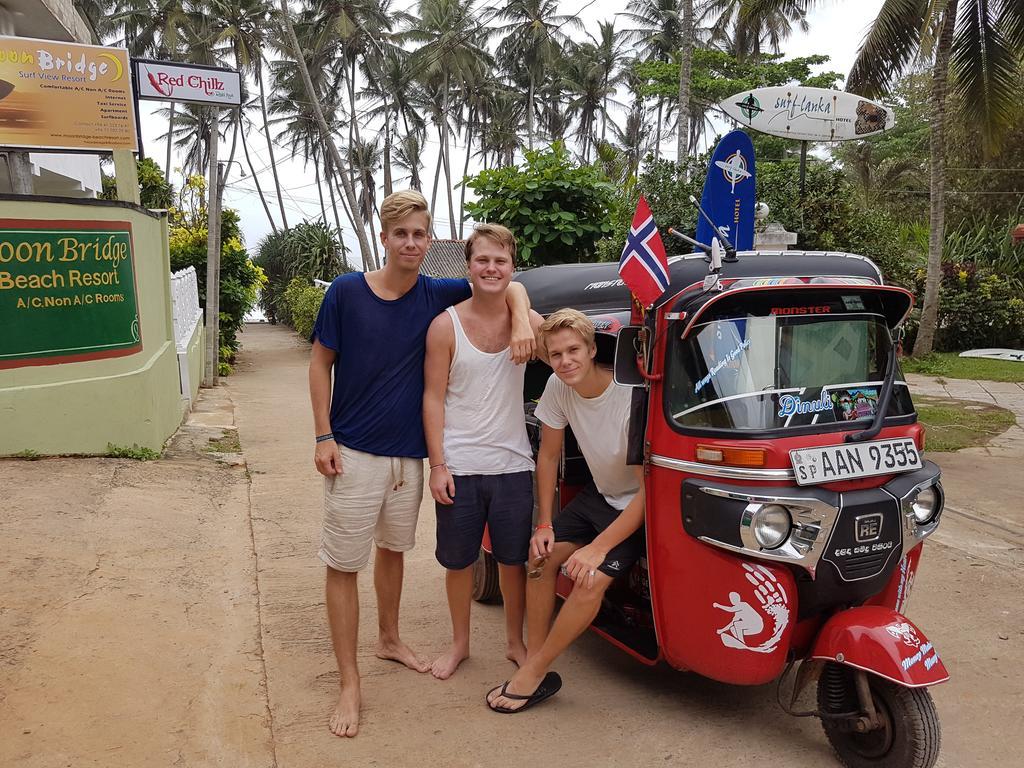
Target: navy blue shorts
x: 587, y: 515
x: 504, y: 503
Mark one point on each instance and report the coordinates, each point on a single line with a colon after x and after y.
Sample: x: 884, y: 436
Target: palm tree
x: 500, y: 137
x: 609, y: 58
x: 747, y: 28
x: 533, y: 38
x: 660, y: 33
x: 364, y: 157
x: 247, y: 26
x: 452, y: 57
x: 391, y: 85
x: 409, y: 157
x: 312, y: 99
x: 975, y: 48
x: 587, y: 93
x: 632, y: 138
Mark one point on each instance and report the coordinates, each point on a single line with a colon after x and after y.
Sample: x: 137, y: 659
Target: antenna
x: 698, y: 245
x: 730, y: 250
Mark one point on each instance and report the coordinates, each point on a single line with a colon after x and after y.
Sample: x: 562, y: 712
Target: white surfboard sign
x: 809, y: 114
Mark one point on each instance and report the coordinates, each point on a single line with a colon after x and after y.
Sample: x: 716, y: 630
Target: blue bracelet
x: 325, y: 438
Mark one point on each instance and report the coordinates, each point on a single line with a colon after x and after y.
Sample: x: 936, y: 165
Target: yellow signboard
x: 56, y: 95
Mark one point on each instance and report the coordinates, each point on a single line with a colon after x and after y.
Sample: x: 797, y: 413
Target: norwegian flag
x: 643, y: 264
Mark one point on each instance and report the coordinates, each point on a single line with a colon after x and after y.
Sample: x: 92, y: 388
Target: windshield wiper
x: 883, y: 401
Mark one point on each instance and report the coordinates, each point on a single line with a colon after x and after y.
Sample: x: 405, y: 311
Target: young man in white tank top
x: 481, y: 463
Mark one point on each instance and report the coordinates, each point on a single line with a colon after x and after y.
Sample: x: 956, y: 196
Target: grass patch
x: 951, y: 366
x: 28, y: 454
x: 227, y: 443
x: 132, y: 452
x: 955, y: 424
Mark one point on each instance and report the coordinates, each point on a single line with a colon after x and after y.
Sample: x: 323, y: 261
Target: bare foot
x: 444, y: 666
x: 516, y: 653
x: 400, y: 652
x: 523, y: 683
x: 345, y: 720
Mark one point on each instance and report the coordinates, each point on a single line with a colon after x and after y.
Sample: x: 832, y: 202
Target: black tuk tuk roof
x: 596, y: 287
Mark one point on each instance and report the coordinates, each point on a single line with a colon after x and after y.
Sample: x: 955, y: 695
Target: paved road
x: 171, y: 614
x: 612, y: 710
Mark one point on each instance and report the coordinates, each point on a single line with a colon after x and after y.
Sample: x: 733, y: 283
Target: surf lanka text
x: 804, y: 105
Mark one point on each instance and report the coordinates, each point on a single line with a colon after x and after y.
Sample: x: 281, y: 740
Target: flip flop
x: 548, y: 687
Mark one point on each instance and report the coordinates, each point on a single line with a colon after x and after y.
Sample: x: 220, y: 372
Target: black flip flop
x: 548, y: 687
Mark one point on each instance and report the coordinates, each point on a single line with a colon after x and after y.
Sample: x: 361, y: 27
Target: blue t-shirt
x: 377, y: 403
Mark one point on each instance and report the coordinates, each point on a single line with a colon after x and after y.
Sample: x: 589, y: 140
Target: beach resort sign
x: 809, y: 114
x: 67, y: 292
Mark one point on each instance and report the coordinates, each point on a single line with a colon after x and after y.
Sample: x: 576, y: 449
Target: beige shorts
x: 375, y: 499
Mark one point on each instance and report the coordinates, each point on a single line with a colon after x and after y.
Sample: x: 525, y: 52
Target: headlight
x: 771, y: 525
x: 925, y: 505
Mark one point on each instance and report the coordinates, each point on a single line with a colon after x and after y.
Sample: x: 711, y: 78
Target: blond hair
x: 561, y: 319
x: 501, y: 235
x: 398, y: 205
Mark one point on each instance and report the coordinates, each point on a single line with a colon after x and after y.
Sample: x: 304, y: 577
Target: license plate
x: 831, y: 463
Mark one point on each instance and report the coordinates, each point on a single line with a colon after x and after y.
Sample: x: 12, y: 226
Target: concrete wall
x: 80, y: 407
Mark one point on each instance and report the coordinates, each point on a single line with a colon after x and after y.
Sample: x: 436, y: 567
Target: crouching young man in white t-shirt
x: 598, y: 535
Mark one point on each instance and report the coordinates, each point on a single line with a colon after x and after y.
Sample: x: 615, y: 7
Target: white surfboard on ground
x: 809, y: 114
x: 1016, y: 355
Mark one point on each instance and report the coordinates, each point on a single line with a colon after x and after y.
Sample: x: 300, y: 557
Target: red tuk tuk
x: 787, y: 498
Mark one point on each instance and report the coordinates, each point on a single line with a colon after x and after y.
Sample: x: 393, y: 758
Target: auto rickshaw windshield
x: 780, y: 371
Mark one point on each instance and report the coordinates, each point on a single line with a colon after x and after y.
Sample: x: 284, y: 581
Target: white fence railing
x: 187, y: 314
x: 185, y: 306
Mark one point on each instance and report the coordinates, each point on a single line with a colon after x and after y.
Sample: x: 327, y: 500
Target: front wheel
x: 486, y: 588
x: 908, y: 736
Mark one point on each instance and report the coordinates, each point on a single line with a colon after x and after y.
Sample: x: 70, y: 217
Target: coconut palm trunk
x: 685, y: 69
x: 256, y: 179
x: 170, y: 139
x: 465, y: 172
x: 937, y: 185
x: 270, y: 144
x: 314, y: 99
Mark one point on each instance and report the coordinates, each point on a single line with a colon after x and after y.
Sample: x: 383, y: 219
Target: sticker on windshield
x: 726, y: 360
x: 791, y: 404
x: 853, y: 404
x: 853, y: 303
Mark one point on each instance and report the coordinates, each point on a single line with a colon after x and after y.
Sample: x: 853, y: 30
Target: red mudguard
x: 883, y: 642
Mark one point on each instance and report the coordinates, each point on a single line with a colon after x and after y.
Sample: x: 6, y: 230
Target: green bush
x: 977, y: 308
x: 557, y: 209
x: 302, y: 301
x: 308, y: 250
x: 240, y: 279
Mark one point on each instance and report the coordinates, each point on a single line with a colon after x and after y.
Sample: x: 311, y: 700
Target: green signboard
x: 67, y: 292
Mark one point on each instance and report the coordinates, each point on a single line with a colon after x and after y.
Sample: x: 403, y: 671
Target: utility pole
x: 211, y: 369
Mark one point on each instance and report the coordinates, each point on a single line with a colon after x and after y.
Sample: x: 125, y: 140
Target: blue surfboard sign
x: 728, y: 196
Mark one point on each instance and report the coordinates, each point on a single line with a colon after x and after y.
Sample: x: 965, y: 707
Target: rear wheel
x: 486, y: 588
x: 908, y: 736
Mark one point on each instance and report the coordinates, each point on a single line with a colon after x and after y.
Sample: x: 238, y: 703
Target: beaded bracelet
x: 543, y: 525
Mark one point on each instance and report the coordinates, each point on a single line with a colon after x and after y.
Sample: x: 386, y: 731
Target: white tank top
x: 484, y: 429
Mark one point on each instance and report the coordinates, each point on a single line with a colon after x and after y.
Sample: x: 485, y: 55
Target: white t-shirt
x: 601, y: 427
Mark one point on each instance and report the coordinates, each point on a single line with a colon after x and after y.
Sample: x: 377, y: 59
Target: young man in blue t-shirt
x: 369, y: 432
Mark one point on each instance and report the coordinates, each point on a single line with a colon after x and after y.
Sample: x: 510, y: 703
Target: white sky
x: 837, y: 28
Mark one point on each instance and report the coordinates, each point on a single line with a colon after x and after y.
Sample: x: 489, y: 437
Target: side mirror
x: 625, y: 372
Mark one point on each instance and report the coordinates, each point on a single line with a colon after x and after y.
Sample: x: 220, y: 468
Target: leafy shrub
x: 557, y: 209
x: 303, y: 304
x: 977, y: 308
x: 240, y: 279
x: 308, y: 250
x: 154, y: 190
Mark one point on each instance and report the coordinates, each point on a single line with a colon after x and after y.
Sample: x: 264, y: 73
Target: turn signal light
x: 735, y: 457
